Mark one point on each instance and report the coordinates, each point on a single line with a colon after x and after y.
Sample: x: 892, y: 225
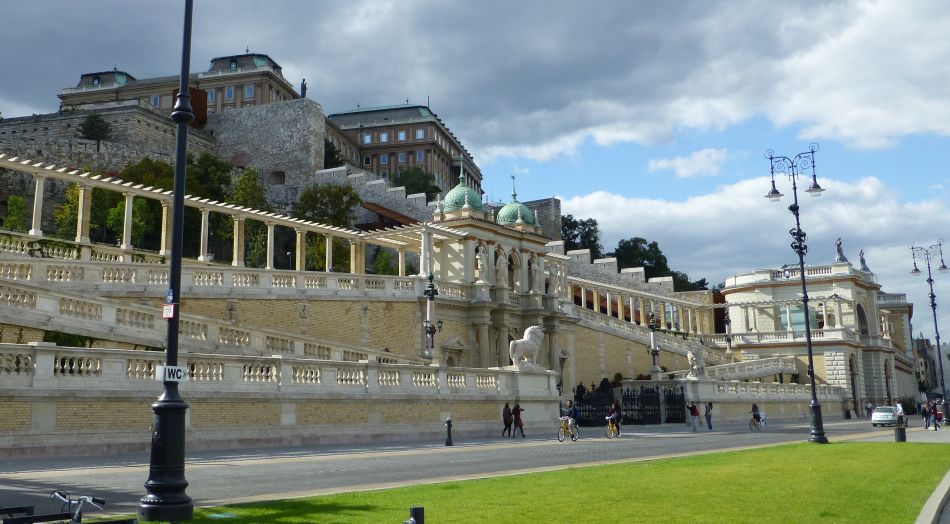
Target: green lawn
x: 807, y: 483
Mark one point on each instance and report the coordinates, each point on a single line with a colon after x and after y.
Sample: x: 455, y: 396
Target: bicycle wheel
x: 560, y: 434
x: 610, y: 430
x: 752, y: 424
x: 574, y: 433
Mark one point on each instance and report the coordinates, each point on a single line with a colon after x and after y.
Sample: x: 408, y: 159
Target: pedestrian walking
x: 693, y: 414
x: 900, y: 414
x: 935, y: 416
x: 868, y: 407
x: 519, y: 424
x: 709, y: 408
x: 925, y: 412
x: 506, y: 419
x: 619, y: 420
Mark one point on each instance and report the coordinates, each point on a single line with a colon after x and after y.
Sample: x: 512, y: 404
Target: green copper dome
x: 460, y: 195
x: 455, y: 199
x: 509, y: 214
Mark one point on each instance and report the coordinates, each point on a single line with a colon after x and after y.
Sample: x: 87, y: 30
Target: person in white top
x: 900, y: 414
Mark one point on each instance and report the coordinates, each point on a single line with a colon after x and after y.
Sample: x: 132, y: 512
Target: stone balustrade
x: 783, y: 337
x: 47, y: 366
x: 748, y: 369
x: 641, y: 334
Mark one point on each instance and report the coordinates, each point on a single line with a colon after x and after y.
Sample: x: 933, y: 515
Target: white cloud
x: 706, y: 162
x: 734, y: 230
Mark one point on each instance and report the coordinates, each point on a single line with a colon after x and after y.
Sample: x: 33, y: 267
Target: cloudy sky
x: 651, y: 117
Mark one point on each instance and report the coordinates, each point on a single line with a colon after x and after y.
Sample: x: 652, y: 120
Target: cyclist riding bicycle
x: 755, y: 414
x: 571, y: 413
x: 613, y: 417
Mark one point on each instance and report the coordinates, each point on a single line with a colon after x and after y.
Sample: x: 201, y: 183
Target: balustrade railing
x: 62, y: 368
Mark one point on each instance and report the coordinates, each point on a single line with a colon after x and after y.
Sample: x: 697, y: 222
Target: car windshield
x: 884, y: 410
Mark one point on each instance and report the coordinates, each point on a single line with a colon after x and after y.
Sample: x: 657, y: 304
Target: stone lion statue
x: 524, y: 352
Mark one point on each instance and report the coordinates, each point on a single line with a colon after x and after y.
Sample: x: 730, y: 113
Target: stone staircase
x: 749, y: 369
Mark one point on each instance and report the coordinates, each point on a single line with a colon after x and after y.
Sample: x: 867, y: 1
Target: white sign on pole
x: 168, y: 310
x: 171, y: 373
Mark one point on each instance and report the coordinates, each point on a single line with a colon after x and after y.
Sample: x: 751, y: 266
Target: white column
x: 127, y: 222
x: 270, y: 245
x: 237, y: 247
x: 36, y: 229
x: 583, y: 296
x: 402, y: 263
x: 425, y: 257
x: 484, y: 345
x: 788, y: 317
x: 609, y: 304
x: 83, y: 217
x: 468, y: 261
x: 595, y: 298
x: 165, y: 247
x: 328, y: 262
x: 203, y: 246
x: 839, y: 320
x: 300, y: 264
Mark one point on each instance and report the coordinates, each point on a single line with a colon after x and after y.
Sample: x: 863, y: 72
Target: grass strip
x: 834, y: 483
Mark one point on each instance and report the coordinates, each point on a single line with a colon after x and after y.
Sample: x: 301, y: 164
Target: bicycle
x: 612, y: 430
x: 74, y: 506
x: 565, y: 429
x: 754, y: 424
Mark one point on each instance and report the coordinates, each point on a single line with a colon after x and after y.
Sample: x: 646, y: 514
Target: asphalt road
x: 238, y: 476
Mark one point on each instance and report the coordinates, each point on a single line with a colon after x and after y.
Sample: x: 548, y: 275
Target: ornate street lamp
x: 926, y: 254
x: 428, y: 326
x: 791, y: 167
x: 166, y: 499
x: 654, y: 349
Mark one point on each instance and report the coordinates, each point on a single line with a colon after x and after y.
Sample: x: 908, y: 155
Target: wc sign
x: 171, y: 373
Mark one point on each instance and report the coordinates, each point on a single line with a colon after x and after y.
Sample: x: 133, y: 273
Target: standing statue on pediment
x: 864, y: 264
x: 840, y: 258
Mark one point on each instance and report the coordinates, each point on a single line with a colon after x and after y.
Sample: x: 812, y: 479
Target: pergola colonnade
x: 418, y: 239
x: 636, y: 306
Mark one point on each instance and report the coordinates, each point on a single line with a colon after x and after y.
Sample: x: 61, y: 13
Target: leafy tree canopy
x: 331, y: 155
x: 248, y: 191
x: 94, y: 127
x: 331, y: 204
x: 581, y: 234
x: 417, y: 180
x: 16, y: 214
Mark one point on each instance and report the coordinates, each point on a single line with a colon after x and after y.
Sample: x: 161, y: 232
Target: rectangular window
x: 154, y: 100
x: 249, y: 91
x: 384, y: 137
x: 366, y: 160
x: 383, y: 159
x: 420, y: 134
x: 229, y: 93
x: 211, y: 95
x: 420, y: 156
x: 401, y: 136
x: 367, y: 138
x: 402, y: 157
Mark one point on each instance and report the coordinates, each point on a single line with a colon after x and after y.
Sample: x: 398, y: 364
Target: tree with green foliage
x: 66, y: 214
x: 94, y: 127
x: 332, y: 157
x: 16, y: 214
x: 331, y: 204
x: 248, y: 192
x: 383, y: 262
x: 143, y: 220
x: 638, y: 252
x: 417, y: 180
x: 581, y: 234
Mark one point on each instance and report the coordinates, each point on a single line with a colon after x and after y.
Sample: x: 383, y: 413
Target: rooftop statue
x: 864, y: 264
x: 840, y: 258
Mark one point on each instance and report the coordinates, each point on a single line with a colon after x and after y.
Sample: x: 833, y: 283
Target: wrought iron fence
x: 638, y: 406
x: 675, y: 400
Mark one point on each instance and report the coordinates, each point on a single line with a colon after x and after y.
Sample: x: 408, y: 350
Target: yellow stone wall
x: 222, y: 415
x: 19, y: 335
x: 103, y: 414
x: 15, y: 416
x: 332, y: 412
x: 393, y: 325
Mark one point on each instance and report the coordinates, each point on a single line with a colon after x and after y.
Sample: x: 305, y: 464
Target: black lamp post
x: 791, y: 167
x: 926, y: 254
x: 428, y: 325
x: 166, y: 499
x: 654, y: 349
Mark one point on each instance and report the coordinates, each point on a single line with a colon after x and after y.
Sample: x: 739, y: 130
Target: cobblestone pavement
x: 259, y: 474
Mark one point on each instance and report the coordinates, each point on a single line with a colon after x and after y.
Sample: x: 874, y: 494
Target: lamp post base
x: 817, y: 428
x: 166, y: 499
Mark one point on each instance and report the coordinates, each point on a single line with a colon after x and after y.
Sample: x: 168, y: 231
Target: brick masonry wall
x: 15, y: 416
x: 102, y: 414
x: 224, y: 415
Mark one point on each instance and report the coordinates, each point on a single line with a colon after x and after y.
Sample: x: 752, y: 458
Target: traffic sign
x: 168, y: 310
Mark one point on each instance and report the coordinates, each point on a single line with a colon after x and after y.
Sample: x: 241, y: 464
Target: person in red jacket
x: 519, y: 424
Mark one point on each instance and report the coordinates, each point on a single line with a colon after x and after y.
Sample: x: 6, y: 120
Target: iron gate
x: 639, y: 405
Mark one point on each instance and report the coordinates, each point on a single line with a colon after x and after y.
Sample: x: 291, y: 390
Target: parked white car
x: 884, y: 416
